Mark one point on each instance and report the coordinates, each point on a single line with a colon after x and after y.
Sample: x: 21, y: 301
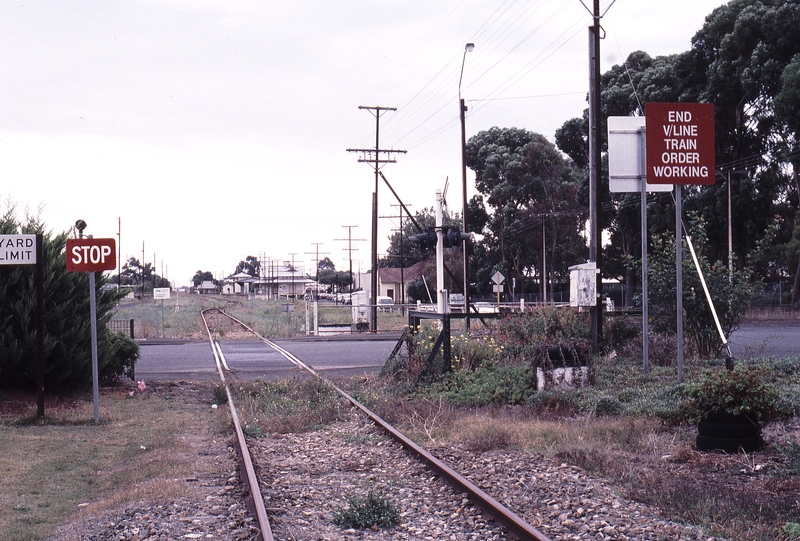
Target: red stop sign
x: 91, y: 255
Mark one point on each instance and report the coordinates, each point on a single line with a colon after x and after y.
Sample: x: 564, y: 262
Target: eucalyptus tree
x: 529, y: 200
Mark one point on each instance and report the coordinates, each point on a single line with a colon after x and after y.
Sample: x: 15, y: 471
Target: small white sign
x: 17, y: 249
x: 626, y: 155
x: 498, y: 278
x: 161, y: 293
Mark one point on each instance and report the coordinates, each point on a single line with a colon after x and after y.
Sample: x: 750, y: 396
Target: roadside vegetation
x: 151, y: 444
x: 636, y: 430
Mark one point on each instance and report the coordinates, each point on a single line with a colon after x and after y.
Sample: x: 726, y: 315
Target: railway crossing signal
x: 450, y: 237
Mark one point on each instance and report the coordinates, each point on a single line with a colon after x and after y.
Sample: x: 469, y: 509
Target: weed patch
x: 374, y: 510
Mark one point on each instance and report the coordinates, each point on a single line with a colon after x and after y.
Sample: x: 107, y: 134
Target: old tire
x: 728, y: 430
x: 729, y: 445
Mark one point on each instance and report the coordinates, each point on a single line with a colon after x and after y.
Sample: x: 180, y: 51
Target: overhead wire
x: 499, y: 27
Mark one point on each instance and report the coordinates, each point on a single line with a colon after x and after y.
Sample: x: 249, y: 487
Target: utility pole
x: 402, y: 292
x: 317, y: 245
x: 595, y: 143
x: 374, y: 156
x: 350, y: 250
x: 294, y: 293
x: 119, y: 254
x: 142, y: 267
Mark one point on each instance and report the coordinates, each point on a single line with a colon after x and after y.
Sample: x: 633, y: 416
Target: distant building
x: 392, y: 281
x: 207, y: 287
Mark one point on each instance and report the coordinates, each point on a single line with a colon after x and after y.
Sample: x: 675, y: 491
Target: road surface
x: 252, y: 359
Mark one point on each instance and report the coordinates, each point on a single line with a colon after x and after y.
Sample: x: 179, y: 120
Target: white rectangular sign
x: 17, y: 249
x: 626, y: 156
x: 161, y: 293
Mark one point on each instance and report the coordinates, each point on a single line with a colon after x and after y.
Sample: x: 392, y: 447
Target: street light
x: 462, y: 109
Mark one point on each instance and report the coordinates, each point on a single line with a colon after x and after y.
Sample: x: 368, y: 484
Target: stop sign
x: 91, y: 255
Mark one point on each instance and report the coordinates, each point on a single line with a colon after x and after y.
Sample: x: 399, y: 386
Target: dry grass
x: 144, y: 448
x: 740, y: 497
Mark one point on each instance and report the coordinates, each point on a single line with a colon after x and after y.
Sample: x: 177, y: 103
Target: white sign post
x: 627, y: 172
x: 498, y: 280
x: 161, y: 293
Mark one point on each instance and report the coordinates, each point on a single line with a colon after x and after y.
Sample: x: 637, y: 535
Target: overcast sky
x: 217, y: 129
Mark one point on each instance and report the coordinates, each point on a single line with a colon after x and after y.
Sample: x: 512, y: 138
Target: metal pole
x: 645, y: 315
x: 679, y: 278
x: 645, y: 302
x: 39, y: 325
x: 594, y: 171
x: 465, y: 242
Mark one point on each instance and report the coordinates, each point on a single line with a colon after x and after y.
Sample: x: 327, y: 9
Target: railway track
x: 463, y: 492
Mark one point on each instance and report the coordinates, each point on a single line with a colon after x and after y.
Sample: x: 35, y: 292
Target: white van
x: 385, y: 304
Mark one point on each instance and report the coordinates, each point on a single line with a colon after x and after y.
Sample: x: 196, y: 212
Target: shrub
x: 732, y: 295
x: 67, y: 340
x: 529, y: 336
x: 124, y: 353
x: 488, y: 385
x: 745, y: 390
x: 362, y: 513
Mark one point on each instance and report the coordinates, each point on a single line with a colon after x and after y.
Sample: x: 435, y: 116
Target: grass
x: 628, y: 428
x: 53, y: 468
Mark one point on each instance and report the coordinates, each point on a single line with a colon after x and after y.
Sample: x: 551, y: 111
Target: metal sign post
x: 627, y: 173
x: 91, y: 255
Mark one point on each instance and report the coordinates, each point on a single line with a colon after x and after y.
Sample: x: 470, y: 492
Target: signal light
x: 426, y: 239
x: 454, y: 237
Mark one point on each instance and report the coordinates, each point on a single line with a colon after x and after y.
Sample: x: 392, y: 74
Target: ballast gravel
x: 307, y: 477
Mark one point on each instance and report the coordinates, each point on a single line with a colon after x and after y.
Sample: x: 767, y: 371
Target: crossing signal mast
x: 450, y: 236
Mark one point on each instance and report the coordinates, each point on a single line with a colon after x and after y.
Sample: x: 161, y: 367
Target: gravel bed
x: 307, y: 477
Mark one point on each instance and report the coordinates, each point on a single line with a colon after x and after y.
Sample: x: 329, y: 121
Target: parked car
x: 385, y: 304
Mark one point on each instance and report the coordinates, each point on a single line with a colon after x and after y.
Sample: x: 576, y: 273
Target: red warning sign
x: 91, y: 255
x: 680, y: 143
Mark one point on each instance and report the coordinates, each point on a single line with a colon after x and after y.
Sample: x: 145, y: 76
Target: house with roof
x: 392, y: 281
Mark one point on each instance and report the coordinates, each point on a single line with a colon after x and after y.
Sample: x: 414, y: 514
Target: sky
x: 200, y: 132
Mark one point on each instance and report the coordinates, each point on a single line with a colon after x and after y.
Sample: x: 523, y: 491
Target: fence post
x: 131, y: 323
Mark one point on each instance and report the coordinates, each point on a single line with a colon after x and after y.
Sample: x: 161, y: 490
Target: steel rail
x: 515, y: 524
x: 250, y: 474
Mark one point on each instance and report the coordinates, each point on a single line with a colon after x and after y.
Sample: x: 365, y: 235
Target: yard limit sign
x: 92, y: 255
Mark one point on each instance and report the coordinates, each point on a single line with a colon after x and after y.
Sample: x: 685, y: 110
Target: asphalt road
x: 765, y: 340
x: 252, y: 359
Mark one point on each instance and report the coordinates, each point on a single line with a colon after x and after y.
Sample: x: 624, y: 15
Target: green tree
x: 202, y: 276
x: 135, y: 274
x: 530, y: 192
x: 67, y: 341
x: 403, y: 252
x: 250, y: 266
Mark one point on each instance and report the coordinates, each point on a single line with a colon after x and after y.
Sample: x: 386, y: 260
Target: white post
x: 441, y: 292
